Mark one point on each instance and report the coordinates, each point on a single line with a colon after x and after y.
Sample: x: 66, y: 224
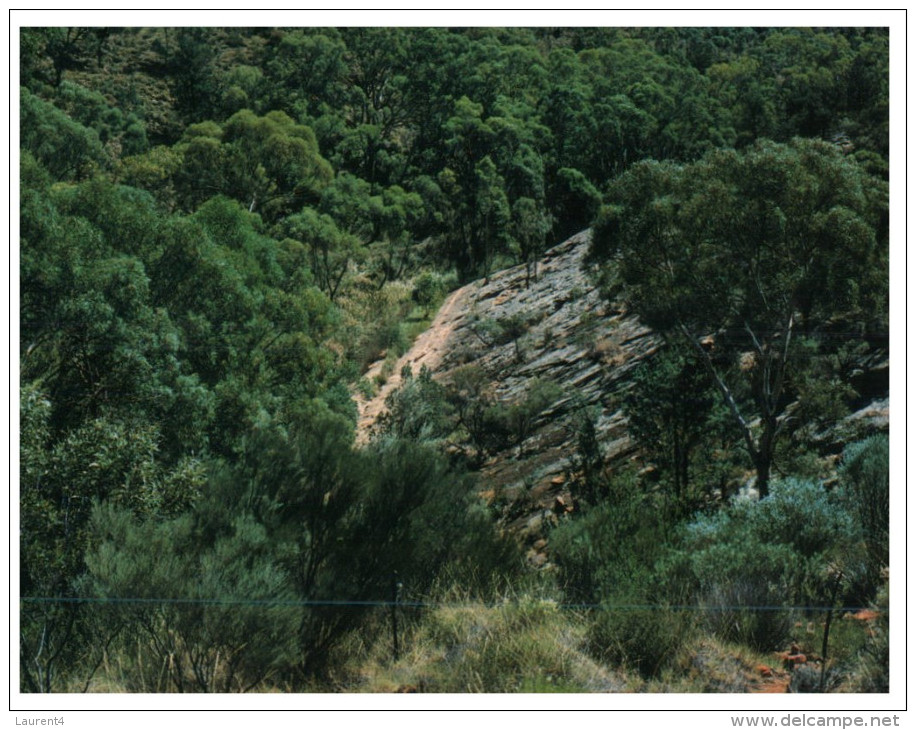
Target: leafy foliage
x: 780, y: 552
x: 220, y: 227
x: 610, y: 549
x: 418, y: 410
x: 202, y: 645
x: 865, y: 492
x: 748, y: 249
x: 670, y: 412
x: 64, y: 146
x: 606, y: 557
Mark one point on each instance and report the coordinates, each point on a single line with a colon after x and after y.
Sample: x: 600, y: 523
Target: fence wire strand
x: 280, y: 602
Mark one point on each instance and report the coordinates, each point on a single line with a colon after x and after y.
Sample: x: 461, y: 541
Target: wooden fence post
x: 395, y: 598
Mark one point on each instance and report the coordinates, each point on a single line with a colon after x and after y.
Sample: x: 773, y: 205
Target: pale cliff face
x: 571, y: 337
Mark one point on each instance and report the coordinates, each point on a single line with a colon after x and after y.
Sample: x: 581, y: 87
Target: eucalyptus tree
x: 745, y: 256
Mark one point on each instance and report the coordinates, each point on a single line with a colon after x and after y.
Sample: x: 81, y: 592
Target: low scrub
x: 527, y: 644
x: 639, y: 637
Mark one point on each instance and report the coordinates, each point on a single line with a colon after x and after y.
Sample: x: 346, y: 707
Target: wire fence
x: 382, y: 603
x: 165, y: 644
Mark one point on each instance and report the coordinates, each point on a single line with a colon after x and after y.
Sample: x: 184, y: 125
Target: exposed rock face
x: 571, y: 337
x: 564, y: 332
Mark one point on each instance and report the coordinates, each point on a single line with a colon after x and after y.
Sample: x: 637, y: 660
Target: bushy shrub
x: 196, y: 642
x: 628, y: 632
x: 428, y: 289
x: 801, y: 514
x: 865, y: 492
x: 377, y: 325
x: 496, y: 332
x: 750, y: 562
x: 417, y: 411
x: 348, y: 520
x: 607, y: 556
x: 470, y: 395
x: 493, y: 425
x: 520, y: 417
x: 611, y: 545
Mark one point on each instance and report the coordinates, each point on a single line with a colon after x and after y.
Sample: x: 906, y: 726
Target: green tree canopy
x: 754, y: 251
x: 267, y: 163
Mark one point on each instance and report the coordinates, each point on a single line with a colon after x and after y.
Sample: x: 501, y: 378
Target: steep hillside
x: 570, y: 337
x: 515, y: 330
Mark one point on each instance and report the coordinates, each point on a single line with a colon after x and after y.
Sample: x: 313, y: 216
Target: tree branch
x: 749, y: 440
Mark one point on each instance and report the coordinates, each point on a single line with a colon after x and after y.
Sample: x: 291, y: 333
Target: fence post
x: 395, y: 598
x: 836, y: 587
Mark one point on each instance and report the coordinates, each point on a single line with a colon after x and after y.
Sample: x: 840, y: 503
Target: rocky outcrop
x: 559, y: 328
x: 556, y: 328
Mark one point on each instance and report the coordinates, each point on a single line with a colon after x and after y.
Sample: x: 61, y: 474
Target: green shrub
x: 608, y: 556
x: 417, y: 410
x: 347, y: 521
x: 496, y: 332
x: 198, y: 644
x: 385, y: 335
x: 493, y: 426
x: 751, y: 561
x: 519, y: 418
x: 799, y: 514
x: 428, y: 290
x: 865, y: 492
x: 629, y: 633
x: 477, y: 412
x: 611, y: 545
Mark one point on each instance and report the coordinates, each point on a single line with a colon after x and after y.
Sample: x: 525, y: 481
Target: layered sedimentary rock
x: 517, y: 328
x: 567, y: 334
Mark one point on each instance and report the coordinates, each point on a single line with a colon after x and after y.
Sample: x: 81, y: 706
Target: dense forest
x: 221, y: 228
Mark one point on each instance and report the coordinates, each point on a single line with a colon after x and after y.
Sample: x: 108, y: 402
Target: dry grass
x: 525, y: 642
x: 523, y: 645
x: 707, y: 665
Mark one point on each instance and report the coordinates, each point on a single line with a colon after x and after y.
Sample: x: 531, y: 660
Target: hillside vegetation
x: 643, y: 446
